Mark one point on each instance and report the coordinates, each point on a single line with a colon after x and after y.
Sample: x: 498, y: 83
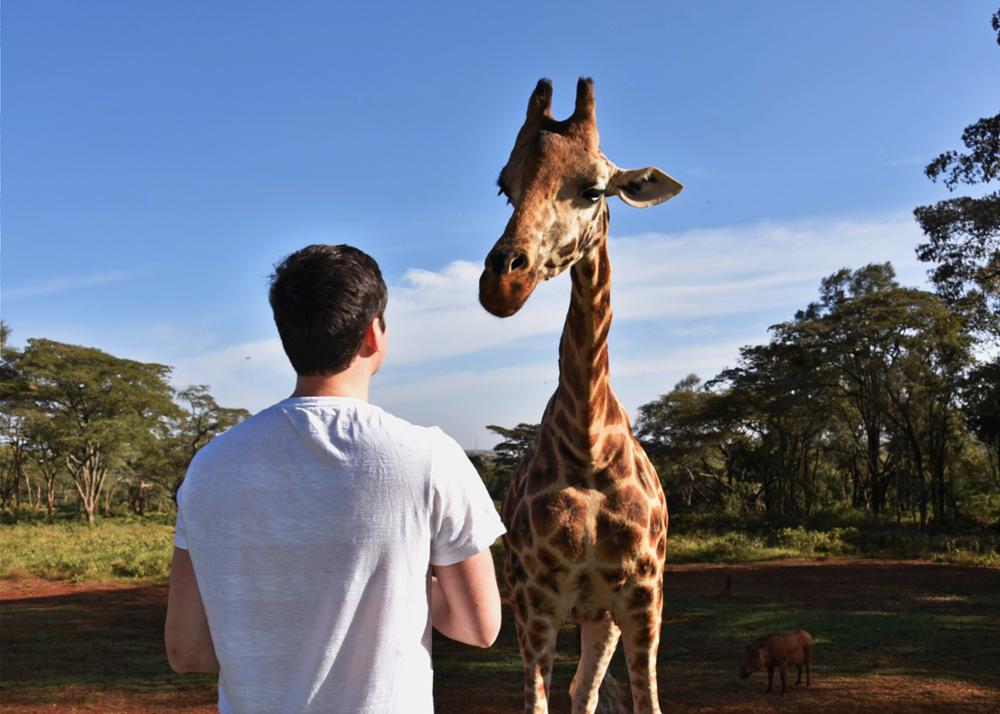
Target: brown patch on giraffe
x: 537, y: 640
x: 538, y: 626
x: 562, y: 517
x: 520, y: 601
x: 550, y: 561
x: 655, y: 525
x: 569, y: 249
x: 604, y: 304
x: 568, y: 540
x: 545, y: 471
x: 548, y: 580
x: 598, y: 402
x: 541, y: 604
x: 661, y: 548
x: 519, y: 530
x: 627, y: 502
x: 617, y: 540
x: 615, y: 577
x: 614, y: 445
x: 515, y: 570
x: 569, y: 458
x: 642, y: 469
x: 561, y: 421
x: 645, y: 566
x: 642, y: 598
x: 607, y: 478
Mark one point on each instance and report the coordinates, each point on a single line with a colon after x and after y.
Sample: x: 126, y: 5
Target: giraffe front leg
x: 597, y: 644
x: 641, y: 638
x: 537, y: 640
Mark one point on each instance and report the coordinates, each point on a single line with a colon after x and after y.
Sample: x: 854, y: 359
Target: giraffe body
x: 585, y: 513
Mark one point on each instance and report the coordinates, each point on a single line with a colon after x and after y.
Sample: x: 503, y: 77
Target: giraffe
x: 585, y: 513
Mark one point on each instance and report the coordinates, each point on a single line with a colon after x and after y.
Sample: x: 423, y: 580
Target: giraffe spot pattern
x: 617, y: 539
x: 642, y: 598
x: 561, y: 517
x: 541, y: 603
x: 615, y: 577
x: 627, y: 502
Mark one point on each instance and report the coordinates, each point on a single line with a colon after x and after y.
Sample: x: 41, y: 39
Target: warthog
x: 781, y: 650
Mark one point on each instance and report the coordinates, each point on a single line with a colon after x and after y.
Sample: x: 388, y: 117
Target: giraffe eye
x: 592, y: 194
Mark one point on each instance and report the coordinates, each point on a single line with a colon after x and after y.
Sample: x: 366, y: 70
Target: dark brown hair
x: 323, y: 298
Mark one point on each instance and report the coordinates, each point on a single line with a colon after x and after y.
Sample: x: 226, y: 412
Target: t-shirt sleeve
x: 180, y: 536
x: 464, y: 519
x: 180, y: 539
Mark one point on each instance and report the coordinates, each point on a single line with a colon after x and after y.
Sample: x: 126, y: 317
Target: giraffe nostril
x: 518, y: 262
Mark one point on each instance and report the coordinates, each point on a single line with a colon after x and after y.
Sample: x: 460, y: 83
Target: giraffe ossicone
x: 585, y: 513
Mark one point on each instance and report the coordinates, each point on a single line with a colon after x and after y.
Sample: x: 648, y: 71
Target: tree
x: 775, y: 399
x: 691, y: 449
x: 964, y: 232
x: 100, y: 409
x: 509, y: 452
x: 981, y: 407
x: 14, y: 423
x: 203, y: 419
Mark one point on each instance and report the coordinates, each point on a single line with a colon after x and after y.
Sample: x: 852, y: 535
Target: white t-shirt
x: 311, y: 527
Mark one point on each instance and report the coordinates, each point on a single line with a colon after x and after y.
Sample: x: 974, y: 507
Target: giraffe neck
x: 584, y: 395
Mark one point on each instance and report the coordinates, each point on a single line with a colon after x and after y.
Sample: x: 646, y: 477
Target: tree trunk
x: 50, y: 495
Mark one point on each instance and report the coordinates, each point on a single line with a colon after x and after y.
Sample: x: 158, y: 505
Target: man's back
x: 310, y: 527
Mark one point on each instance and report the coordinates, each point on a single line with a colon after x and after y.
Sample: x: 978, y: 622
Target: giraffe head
x: 557, y: 178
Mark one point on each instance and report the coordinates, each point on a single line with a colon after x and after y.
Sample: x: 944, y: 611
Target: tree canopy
x: 97, y: 421
x: 964, y: 232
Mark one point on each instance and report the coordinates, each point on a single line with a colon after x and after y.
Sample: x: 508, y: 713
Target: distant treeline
x: 80, y: 427
x: 870, y: 398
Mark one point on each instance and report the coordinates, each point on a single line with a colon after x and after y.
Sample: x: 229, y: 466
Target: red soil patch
x: 78, y: 647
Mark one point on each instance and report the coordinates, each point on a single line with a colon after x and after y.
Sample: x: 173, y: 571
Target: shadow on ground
x: 890, y: 636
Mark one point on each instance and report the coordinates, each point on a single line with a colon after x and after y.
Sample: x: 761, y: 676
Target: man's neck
x: 349, y: 383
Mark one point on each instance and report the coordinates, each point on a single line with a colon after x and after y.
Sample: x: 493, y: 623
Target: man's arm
x: 465, y: 602
x: 188, y: 640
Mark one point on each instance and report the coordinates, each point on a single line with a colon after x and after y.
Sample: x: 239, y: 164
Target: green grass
x: 72, y: 551
x: 710, y: 538
x: 899, y: 636
x: 130, y: 547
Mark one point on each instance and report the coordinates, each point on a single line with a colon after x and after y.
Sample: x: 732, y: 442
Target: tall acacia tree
x: 686, y: 444
x: 964, y: 232
x: 100, y: 409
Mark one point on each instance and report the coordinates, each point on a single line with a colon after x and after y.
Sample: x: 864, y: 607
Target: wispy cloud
x: 694, y: 275
x: 707, y: 289
x: 66, y: 284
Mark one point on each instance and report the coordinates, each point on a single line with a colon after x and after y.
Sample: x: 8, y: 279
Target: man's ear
x: 374, y: 337
x: 643, y: 187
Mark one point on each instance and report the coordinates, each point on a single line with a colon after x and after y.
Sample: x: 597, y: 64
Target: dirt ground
x: 890, y: 637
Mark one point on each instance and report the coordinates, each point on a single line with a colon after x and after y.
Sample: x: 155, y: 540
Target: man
x: 319, y: 540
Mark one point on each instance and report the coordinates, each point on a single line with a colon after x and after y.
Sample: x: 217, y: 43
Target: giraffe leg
x: 597, y: 644
x: 641, y: 639
x: 537, y: 640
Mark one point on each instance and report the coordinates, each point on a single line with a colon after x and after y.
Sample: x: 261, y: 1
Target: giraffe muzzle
x: 503, y: 294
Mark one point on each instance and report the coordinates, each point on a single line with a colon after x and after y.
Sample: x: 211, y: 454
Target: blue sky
x: 159, y: 158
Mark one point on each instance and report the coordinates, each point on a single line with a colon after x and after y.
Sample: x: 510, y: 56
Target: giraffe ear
x: 643, y: 187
